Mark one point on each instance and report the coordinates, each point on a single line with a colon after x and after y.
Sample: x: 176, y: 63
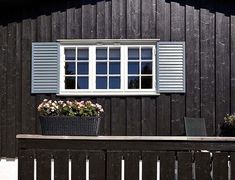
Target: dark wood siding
x: 207, y: 27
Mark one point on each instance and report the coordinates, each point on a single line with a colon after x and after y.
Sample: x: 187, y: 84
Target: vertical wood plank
x: 133, y: 19
x: 207, y: 56
x: 113, y: 165
x: 192, y: 59
x: 88, y: 19
x: 167, y: 165
x: 222, y: 62
x: 232, y: 66
x: 131, y: 170
x: 202, y: 166
x: 26, y: 165
x: 105, y: 124
x: 18, y: 86
x: 3, y: 88
x: 163, y: 115
x: 220, y: 166
x: 97, y: 165
x: 149, y: 165
x: 148, y: 116
x: 163, y: 101
x: 43, y: 165
x: 118, y: 116
x: 177, y: 34
x: 11, y: 91
x: 119, y: 14
x: 184, y: 165
x: 108, y: 19
x: 232, y: 169
x: 74, y: 19
x: 78, y: 170
x: 28, y: 106
x: 61, y: 161
x: 133, y: 105
x: 101, y: 20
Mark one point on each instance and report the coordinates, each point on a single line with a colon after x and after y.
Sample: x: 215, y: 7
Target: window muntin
x: 108, y: 68
x: 140, y: 68
x: 76, y: 68
x: 105, y: 69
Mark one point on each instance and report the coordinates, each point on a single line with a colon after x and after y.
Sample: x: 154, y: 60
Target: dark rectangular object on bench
x: 195, y: 126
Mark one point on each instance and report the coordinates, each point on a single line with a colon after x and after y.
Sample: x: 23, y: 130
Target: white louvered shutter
x: 45, y: 67
x: 171, y: 67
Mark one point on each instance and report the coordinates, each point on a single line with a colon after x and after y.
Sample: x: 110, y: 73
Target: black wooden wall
x: 207, y: 27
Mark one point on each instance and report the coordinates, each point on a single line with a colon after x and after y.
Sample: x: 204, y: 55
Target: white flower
x: 45, y: 100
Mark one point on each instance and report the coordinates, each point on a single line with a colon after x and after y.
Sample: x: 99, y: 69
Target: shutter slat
x: 171, y: 67
x: 45, y: 61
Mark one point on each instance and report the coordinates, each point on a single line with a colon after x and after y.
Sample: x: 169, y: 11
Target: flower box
x: 70, y: 117
x: 72, y: 126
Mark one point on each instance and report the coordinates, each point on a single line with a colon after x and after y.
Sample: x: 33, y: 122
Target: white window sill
x: 142, y: 93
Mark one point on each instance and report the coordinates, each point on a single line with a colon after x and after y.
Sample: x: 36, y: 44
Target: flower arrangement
x: 70, y: 108
x: 229, y: 121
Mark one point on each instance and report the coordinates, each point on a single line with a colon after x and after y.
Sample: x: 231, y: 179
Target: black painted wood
x: 167, y: 165
x: 131, y: 170
x: 61, y: 165
x: 78, y: 165
x: 185, y: 165
x: 206, y: 26
x: 220, y: 166
x: 43, y: 165
x: 232, y: 161
x: 96, y: 165
x: 114, y: 167
x: 202, y: 165
x: 149, y: 165
x: 26, y: 161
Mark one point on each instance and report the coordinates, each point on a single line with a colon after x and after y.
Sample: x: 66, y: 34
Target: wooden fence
x: 129, y: 158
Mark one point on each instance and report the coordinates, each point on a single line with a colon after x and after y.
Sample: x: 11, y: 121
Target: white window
x: 108, y: 69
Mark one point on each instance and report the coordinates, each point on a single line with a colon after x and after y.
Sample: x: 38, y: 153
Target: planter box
x: 227, y: 132
x: 74, y: 126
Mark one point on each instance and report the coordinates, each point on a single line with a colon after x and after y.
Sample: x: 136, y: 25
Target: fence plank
x: 167, y: 165
x: 220, y: 166
x: 61, y: 160
x: 114, y: 159
x: 131, y: 170
x: 26, y: 165
x: 202, y: 166
x: 96, y: 165
x: 232, y: 169
x: 149, y: 165
x: 43, y: 165
x: 184, y: 165
x: 78, y: 165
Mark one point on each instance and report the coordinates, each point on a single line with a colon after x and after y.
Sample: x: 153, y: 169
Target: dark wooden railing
x: 125, y: 158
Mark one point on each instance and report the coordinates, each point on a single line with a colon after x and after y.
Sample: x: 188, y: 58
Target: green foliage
x: 69, y: 108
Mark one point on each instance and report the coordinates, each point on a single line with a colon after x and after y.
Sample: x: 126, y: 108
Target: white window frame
x: 92, y: 45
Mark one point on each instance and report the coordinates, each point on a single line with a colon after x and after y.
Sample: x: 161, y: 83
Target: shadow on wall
x: 24, y: 10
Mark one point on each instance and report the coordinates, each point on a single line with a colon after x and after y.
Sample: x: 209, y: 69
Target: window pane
x: 101, y: 53
x: 114, y: 68
x: 82, y: 83
x: 69, y: 82
x: 133, y: 82
x: 146, y: 53
x: 133, y: 54
x: 69, y: 54
x: 133, y: 68
x: 82, y: 68
x: 114, y: 82
x: 69, y: 68
x: 101, y: 68
x: 114, y: 54
x: 146, y: 82
x: 101, y: 82
x: 146, y: 68
x: 83, y: 54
